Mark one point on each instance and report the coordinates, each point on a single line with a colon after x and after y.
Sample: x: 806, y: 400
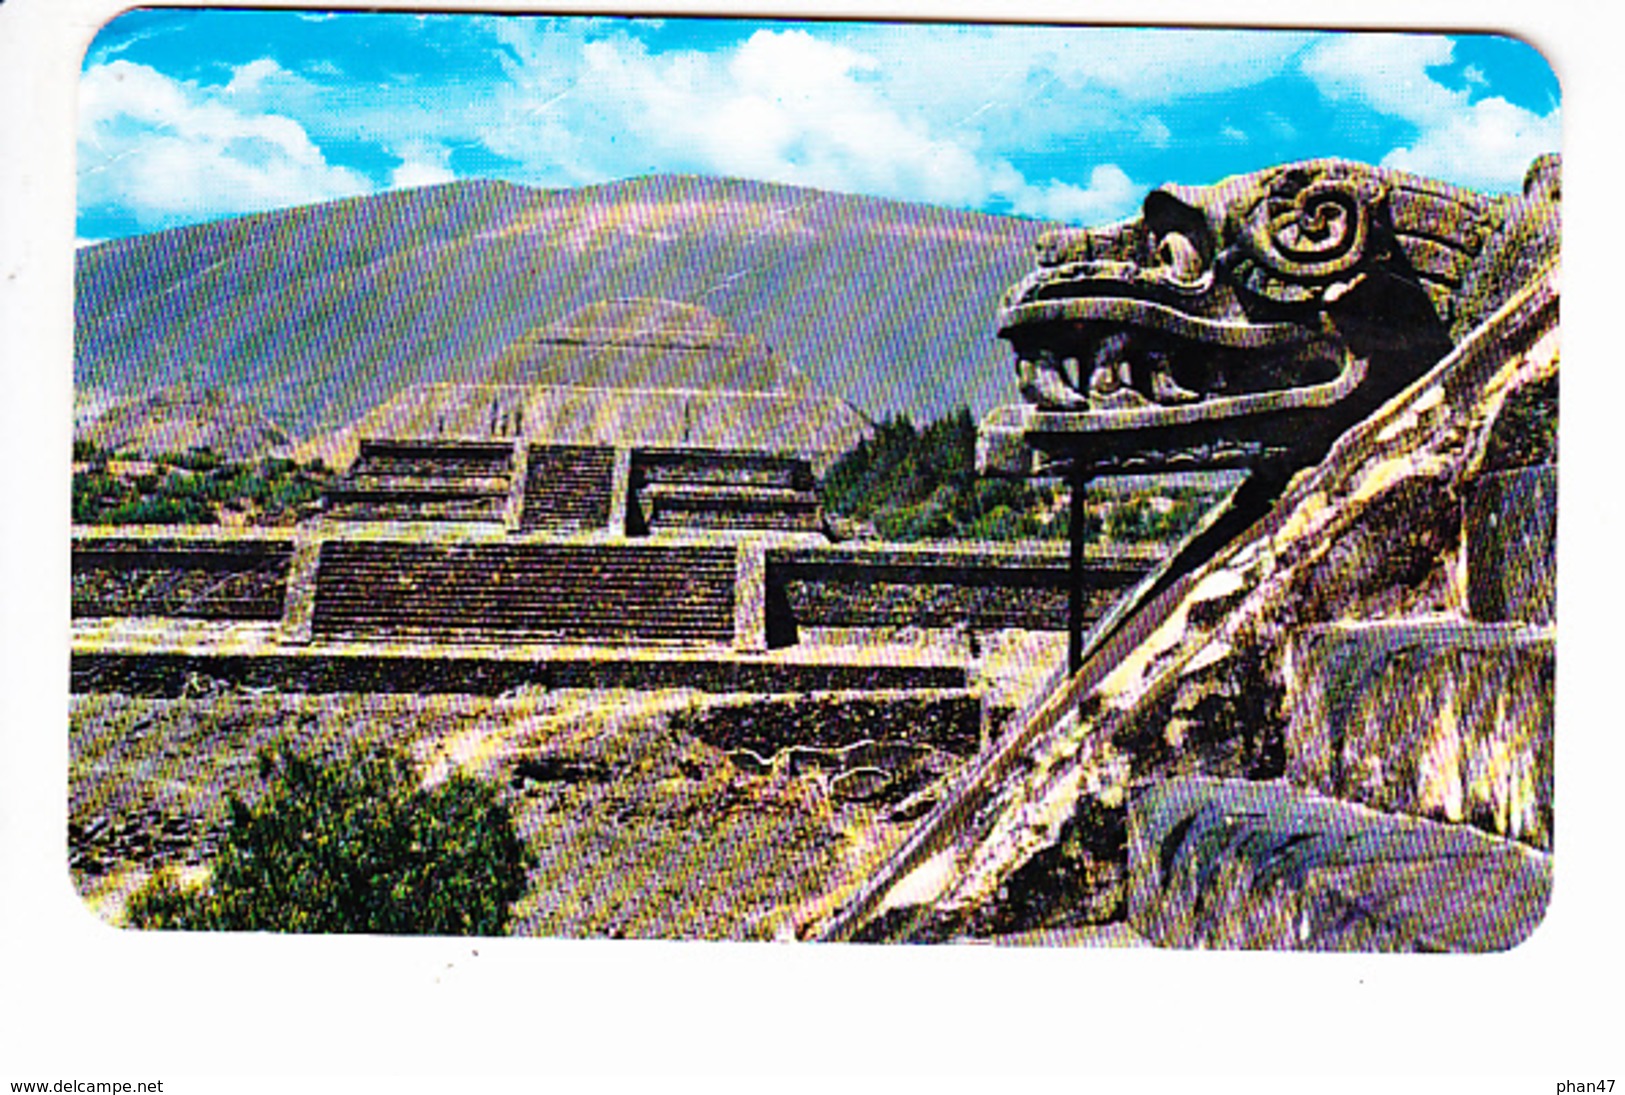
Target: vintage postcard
x: 765, y: 479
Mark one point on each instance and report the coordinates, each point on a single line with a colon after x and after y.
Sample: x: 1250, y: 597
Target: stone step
x: 568, y: 486
x: 428, y: 450
x: 721, y: 467
x: 1234, y: 864
x: 1441, y: 718
x: 417, y: 492
x: 432, y: 465
x: 728, y: 495
x: 391, y: 483
x: 540, y: 589
x: 485, y: 510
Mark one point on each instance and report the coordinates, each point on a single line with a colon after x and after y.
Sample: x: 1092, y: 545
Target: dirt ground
x: 636, y: 830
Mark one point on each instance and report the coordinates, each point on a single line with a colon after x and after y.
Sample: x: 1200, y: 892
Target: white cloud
x: 1487, y: 144
x: 783, y: 106
x: 250, y: 78
x: 1155, y: 66
x: 167, y: 150
x: 422, y: 164
x: 1386, y: 72
x: 1155, y: 132
x: 1110, y: 195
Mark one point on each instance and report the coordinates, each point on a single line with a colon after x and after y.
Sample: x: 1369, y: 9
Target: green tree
x: 353, y: 846
x: 921, y: 484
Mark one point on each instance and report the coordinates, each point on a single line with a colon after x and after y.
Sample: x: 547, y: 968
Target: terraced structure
x: 201, y: 578
x: 1323, y: 720
x: 395, y: 480
x: 531, y: 590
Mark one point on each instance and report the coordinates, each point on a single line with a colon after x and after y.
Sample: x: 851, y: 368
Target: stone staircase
x: 568, y: 487
x: 425, y: 481
x: 524, y: 591
x: 1371, y: 659
x: 177, y: 577
x: 719, y: 489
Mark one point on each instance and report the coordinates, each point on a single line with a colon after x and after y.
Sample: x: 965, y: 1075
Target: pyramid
x: 637, y: 372
x: 648, y: 344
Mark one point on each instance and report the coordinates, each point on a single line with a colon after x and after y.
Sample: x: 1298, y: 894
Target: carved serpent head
x: 1278, y: 280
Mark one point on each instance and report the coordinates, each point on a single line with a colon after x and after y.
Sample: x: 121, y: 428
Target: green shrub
x: 192, y: 487
x: 920, y: 483
x: 159, y: 510
x: 193, y: 459
x: 353, y: 846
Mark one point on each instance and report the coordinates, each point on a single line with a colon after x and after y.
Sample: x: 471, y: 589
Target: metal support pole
x: 1077, y: 478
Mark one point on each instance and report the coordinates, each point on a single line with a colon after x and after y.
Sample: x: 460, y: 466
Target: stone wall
x: 174, y: 673
x: 719, y: 489
x: 984, y: 586
x: 947, y: 720
x: 192, y: 578
x: 535, y: 589
x: 1436, y: 718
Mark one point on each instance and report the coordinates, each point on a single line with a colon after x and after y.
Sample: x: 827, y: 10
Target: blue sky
x: 192, y: 115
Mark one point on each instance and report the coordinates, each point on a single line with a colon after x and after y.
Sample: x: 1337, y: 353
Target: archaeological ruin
x: 1322, y: 721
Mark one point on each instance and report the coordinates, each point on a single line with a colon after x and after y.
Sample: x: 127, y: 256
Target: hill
x: 319, y: 313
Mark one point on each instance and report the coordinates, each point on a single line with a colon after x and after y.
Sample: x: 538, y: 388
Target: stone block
x: 1236, y: 864
x: 1510, y: 529
x: 1444, y: 719
x: 750, y: 598
x: 1001, y: 443
x: 300, y: 603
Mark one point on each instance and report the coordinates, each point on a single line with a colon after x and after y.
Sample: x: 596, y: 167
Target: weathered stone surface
x: 1206, y: 304
x: 105, y: 661
x: 207, y: 577
x: 1254, y: 320
x: 1511, y: 534
x: 1193, y: 681
x: 949, y: 719
x: 1446, y: 719
x: 975, y: 586
x: 1229, y: 863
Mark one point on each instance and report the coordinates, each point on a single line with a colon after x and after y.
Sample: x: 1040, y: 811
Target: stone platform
x: 168, y: 657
